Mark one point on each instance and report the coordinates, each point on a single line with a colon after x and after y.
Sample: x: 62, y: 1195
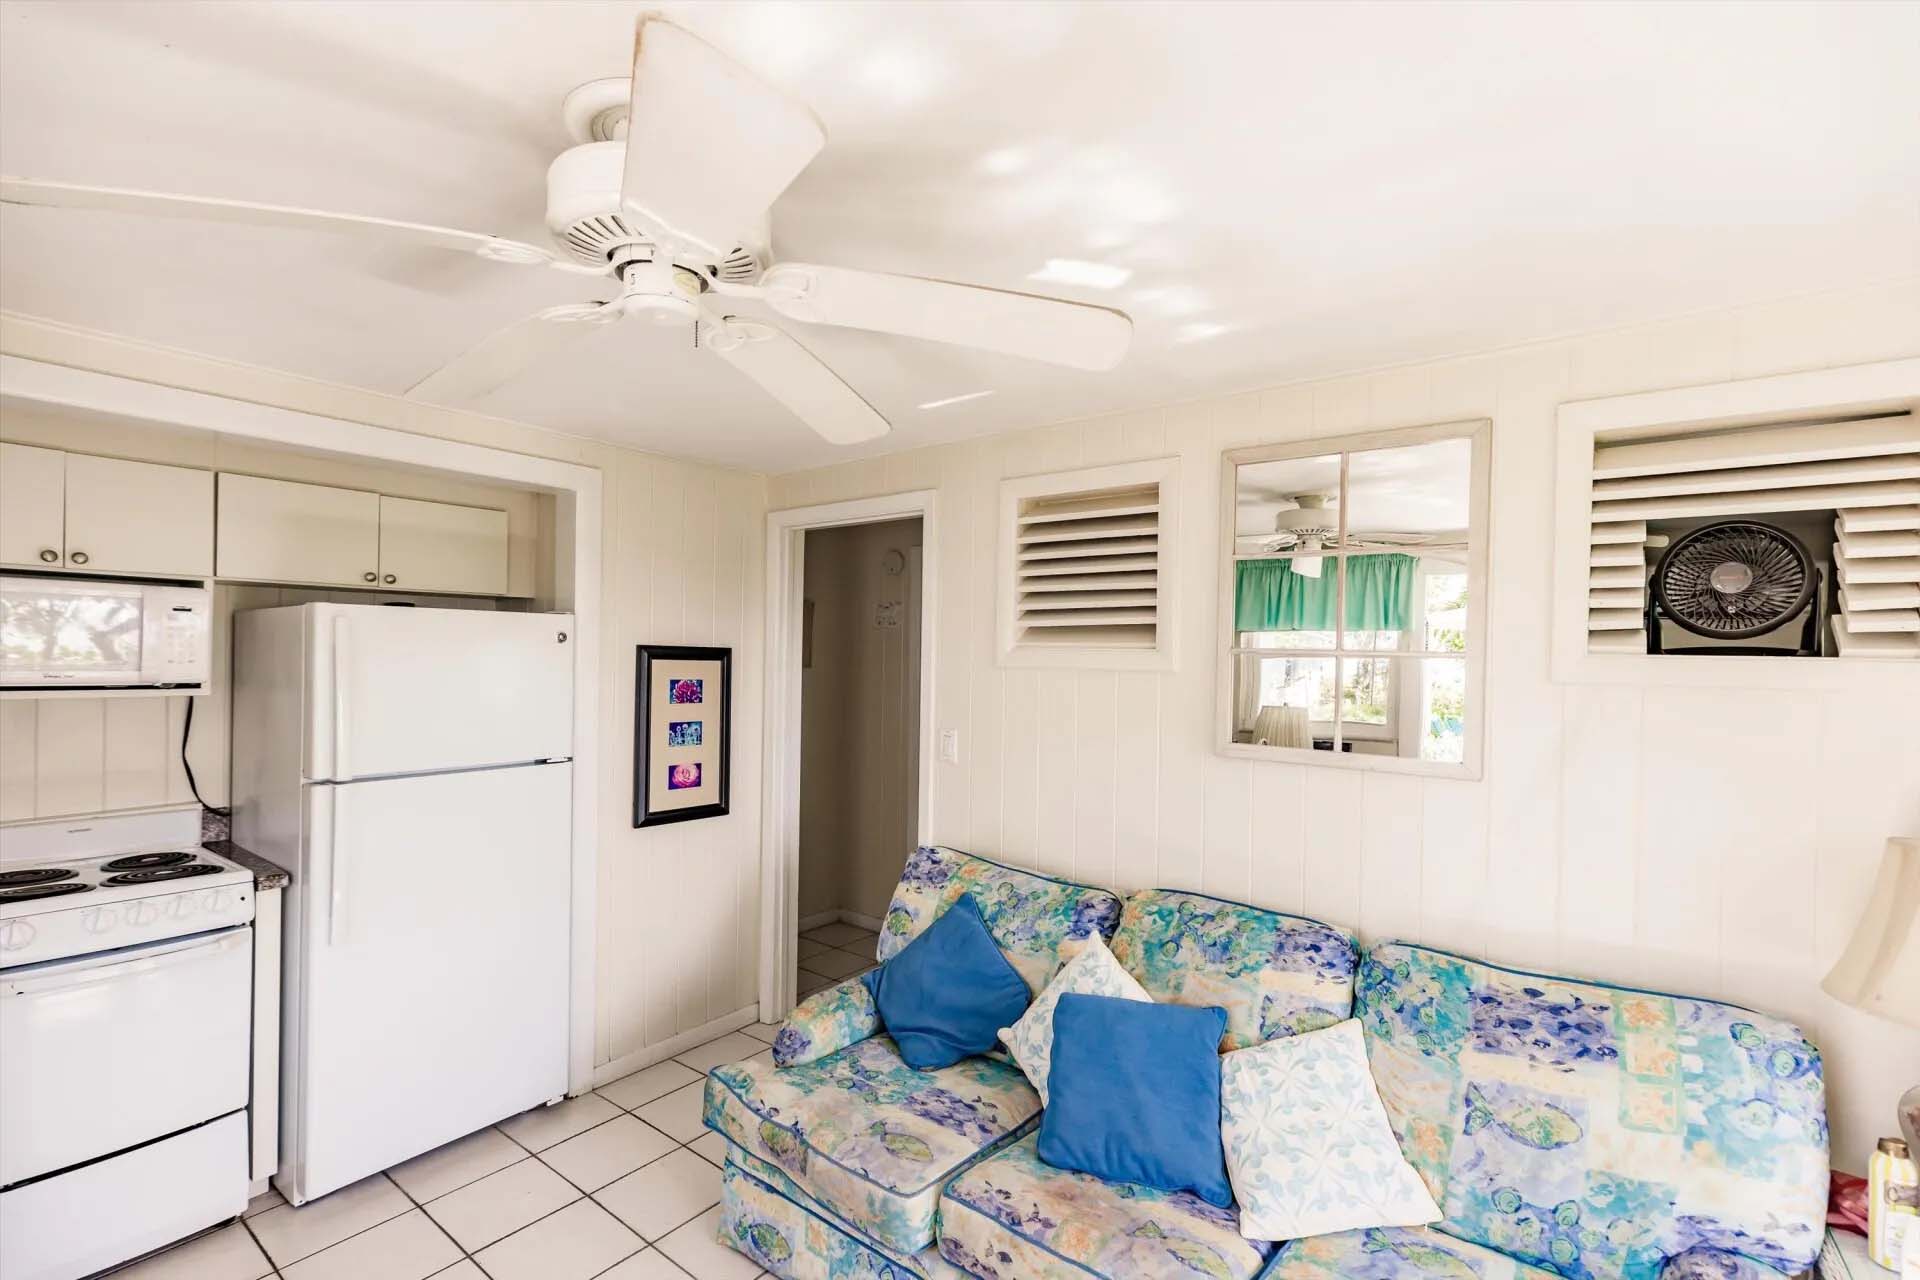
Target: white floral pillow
x: 1309, y: 1148
x: 1092, y: 971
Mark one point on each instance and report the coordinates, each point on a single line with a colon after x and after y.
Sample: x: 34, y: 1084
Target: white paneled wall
x: 1715, y: 842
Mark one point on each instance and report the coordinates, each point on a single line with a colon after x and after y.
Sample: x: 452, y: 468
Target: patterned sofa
x: 1565, y: 1128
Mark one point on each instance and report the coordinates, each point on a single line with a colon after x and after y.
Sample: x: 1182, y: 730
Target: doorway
x: 859, y: 740
x: 850, y: 661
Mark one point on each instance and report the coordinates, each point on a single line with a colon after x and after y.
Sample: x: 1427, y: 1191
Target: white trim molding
x: 780, y: 809
x: 1824, y: 395
x: 576, y: 574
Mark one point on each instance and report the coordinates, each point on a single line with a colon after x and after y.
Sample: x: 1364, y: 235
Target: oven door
x: 110, y: 1050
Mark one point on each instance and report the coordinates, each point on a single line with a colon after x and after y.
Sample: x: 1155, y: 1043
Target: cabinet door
x: 437, y: 546
x: 138, y: 517
x: 31, y: 506
x: 279, y: 531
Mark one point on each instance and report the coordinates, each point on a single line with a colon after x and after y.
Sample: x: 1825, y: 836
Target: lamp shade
x: 1880, y: 969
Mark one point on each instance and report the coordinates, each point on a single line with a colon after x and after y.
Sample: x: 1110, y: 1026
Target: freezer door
x: 429, y: 997
x: 395, y: 691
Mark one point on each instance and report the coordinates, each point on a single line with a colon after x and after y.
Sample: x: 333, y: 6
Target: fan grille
x: 1734, y: 579
x: 592, y: 240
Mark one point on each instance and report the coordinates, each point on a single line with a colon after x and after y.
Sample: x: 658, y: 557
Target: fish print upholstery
x: 1599, y: 1131
x: 1275, y: 975
x: 1028, y: 914
x: 765, y: 1216
x: 1013, y: 1217
x: 866, y: 1135
x: 1396, y: 1253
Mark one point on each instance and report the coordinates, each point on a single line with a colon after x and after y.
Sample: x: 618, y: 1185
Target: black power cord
x: 186, y: 735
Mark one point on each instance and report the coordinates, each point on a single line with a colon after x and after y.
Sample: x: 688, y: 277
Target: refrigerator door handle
x: 325, y: 833
x: 341, y: 631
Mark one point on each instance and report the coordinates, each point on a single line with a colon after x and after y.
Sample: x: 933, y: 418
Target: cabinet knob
x: 78, y: 557
x: 391, y: 579
x: 49, y: 555
x: 371, y: 576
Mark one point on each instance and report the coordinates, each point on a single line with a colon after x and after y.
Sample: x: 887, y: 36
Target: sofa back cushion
x: 1029, y: 915
x: 1275, y: 975
x: 1597, y: 1131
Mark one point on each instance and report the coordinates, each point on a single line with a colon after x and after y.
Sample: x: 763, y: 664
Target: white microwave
x: 74, y: 633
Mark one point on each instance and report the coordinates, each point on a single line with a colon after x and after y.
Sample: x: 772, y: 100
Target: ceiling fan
x: 667, y: 193
x: 1307, y: 523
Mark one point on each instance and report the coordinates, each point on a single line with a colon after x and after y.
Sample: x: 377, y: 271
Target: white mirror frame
x: 1480, y: 432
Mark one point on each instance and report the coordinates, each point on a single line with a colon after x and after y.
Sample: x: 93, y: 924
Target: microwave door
x: 59, y: 633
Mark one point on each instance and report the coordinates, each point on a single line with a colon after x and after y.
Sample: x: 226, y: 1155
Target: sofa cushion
x: 1274, y: 974
x: 949, y: 991
x: 1013, y: 1217
x: 868, y: 1136
x: 1029, y: 915
x: 1091, y: 971
x: 1597, y: 1130
x: 766, y: 1217
x: 1396, y: 1253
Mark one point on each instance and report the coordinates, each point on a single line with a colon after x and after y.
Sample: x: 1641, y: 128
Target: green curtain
x: 1270, y: 596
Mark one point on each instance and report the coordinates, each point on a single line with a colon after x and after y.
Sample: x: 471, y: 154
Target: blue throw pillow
x: 1134, y: 1095
x: 946, y: 995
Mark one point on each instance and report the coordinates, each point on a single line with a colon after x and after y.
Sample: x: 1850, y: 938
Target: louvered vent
x: 1867, y: 470
x: 1089, y: 569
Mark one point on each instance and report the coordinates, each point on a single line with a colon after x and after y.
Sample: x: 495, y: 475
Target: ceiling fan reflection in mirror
x: 667, y: 194
x: 1308, y: 523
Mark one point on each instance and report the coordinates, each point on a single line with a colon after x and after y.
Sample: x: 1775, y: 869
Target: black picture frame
x: 646, y: 656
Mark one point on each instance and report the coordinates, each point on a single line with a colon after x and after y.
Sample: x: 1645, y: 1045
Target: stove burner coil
x: 27, y: 892
x: 163, y: 873
x: 141, y: 861
x: 35, y: 875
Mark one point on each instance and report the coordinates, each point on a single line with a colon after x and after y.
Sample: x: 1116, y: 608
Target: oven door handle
x: 72, y: 979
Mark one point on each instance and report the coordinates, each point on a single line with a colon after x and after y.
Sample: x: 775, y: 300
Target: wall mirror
x: 1353, y: 600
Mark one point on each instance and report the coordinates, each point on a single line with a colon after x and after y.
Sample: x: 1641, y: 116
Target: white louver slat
x: 1866, y: 471
x: 1087, y: 569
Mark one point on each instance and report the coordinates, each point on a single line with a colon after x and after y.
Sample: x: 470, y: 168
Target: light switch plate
x: 950, y: 746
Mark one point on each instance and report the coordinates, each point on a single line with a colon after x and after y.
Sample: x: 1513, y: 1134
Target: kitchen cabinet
x: 104, y: 515
x: 438, y: 546
x: 32, y: 506
x: 280, y: 531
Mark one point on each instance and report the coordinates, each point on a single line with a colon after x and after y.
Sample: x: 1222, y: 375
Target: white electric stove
x: 126, y: 976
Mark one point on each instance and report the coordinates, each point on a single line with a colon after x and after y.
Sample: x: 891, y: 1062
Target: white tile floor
x: 621, y: 1184
x: 831, y: 953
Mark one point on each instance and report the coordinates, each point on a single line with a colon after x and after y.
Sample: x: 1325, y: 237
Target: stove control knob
x: 15, y: 934
x: 100, y: 920
x: 142, y: 913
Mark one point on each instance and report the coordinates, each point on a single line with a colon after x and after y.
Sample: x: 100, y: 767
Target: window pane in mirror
x: 1412, y: 708
x: 1288, y: 505
x: 1405, y: 498
x: 1283, y: 702
x: 1398, y: 602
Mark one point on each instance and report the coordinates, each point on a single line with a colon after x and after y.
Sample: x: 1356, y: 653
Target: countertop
x: 266, y: 875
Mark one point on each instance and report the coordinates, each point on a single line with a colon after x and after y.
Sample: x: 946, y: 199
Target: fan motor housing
x: 1733, y: 580
x: 585, y: 216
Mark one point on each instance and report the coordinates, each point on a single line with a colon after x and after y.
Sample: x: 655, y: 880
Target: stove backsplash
x: 214, y: 826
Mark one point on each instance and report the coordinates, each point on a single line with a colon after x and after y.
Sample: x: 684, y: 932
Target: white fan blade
x: 503, y: 356
x: 795, y: 377
x: 61, y: 195
x: 1019, y: 324
x: 710, y: 145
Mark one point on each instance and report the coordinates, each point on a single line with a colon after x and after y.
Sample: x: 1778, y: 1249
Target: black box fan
x: 1735, y: 580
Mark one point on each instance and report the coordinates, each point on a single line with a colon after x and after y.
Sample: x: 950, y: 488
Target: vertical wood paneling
x: 1058, y: 741
x: 69, y: 757
x: 1279, y: 868
x: 1019, y: 768
x: 1599, y: 826
x: 1095, y: 722
x: 19, y: 755
x: 1453, y: 864
x: 135, y: 756
x: 1136, y: 794
x: 1333, y: 826
x: 1226, y: 867
x: 1391, y: 829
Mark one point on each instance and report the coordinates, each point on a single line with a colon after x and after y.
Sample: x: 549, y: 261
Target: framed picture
x: 682, y: 736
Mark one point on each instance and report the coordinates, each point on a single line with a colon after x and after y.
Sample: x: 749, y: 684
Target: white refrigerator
x: 411, y: 768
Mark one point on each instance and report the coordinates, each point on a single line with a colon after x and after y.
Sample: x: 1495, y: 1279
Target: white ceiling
x: 1297, y: 190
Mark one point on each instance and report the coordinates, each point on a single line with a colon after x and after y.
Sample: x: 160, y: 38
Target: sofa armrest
x: 826, y: 1022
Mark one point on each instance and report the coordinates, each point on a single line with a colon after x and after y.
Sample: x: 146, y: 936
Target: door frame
x: 576, y: 574
x: 780, y: 784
